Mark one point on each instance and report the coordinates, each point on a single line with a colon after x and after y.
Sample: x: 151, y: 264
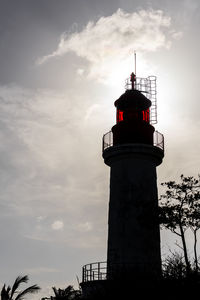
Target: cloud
x: 177, y: 35
x: 107, y: 43
x: 57, y: 225
x: 48, y: 142
x: 80, y: 71
x: 84, y: 227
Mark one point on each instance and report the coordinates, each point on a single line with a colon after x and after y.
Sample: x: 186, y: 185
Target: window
x: 146, y: 115
x: 119, y: 115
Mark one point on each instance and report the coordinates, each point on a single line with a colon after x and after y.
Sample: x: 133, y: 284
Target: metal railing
x: 104, y: 271
x: 107, y: 140
x: 158, y: 140
x: 94, y: 271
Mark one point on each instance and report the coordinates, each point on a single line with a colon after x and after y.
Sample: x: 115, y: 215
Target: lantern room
x: 132, y: 105
x: 133, y: 117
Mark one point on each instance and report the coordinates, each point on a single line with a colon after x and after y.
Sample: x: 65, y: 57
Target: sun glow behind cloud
x: 108, y: 43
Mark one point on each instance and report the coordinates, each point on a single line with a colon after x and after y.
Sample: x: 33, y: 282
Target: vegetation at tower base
x: 174, y: 285
x: 174, y: 268
x: 8, y: 293
x: 180, y: 210
x: 65, y: 294
x: 165, y: 288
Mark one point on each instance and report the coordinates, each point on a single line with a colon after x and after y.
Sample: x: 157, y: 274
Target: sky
x: 63, y: 63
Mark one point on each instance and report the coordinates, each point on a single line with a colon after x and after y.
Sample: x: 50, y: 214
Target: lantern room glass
x: 134, y: 115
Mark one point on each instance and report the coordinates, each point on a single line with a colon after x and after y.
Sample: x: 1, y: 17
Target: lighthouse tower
x: 133, y: 153
x: 132, y: 150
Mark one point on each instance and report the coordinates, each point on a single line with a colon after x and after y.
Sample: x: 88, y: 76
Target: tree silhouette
x: 8, y: 293
x: 174, y: 267
x: 65, y: 294
x: 180, y: 209
x: 194, y: 224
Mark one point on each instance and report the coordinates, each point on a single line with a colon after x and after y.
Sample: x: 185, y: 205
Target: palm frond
x: 8, y: 289
x: 55, y: 291
x: 18, y: 281
x: 69, y: 290
x: 30, y: 290
x: 5, y: 292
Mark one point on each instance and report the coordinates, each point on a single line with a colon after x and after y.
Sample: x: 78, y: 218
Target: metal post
x: 83, y: 274
x: 98, y: 270
x: 90, y: 272
x: 135, y: 61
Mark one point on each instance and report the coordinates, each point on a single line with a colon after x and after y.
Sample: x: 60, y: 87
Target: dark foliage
x: 180, y: 210
x: 8, y: 293
x: 65, y: 294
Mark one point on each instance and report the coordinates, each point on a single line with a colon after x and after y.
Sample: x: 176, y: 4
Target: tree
x: 180, y: 209
x: 8, y: 293
x: 173, y: 267
x: 194, y: 224
x: 65, y: 294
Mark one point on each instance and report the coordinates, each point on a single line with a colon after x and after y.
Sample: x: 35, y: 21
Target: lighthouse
x: 132, y: 149
x: 133, y: 228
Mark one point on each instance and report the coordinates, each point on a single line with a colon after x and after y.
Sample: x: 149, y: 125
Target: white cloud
x: 49, y: 141
x: 92, y: 110
x: 108, y: 43
x: 177, y: 35
x: 85, y: 227
x: 57, y: 225
x: 80, y: 71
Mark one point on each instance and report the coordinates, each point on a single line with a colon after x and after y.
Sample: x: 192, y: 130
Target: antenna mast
x: 135, y: 61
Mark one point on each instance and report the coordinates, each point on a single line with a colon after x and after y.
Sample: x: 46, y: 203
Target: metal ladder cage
x: 147, y: 86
